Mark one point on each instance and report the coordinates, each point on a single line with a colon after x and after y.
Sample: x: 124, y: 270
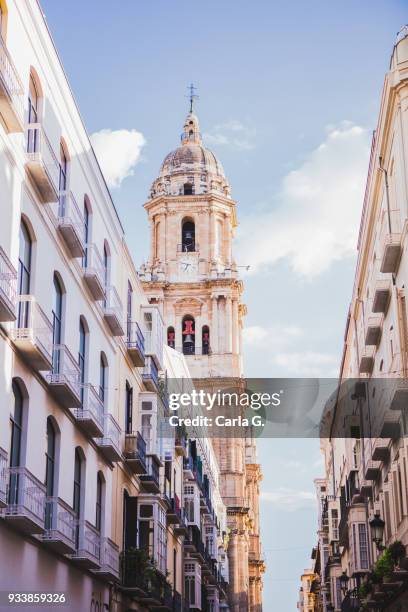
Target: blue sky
x: 289, y: 94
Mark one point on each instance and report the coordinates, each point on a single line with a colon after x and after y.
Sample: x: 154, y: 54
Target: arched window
x: 188, y: 335
x: 106, y: 263
x: 188, y: 189
x: 16, y: 429
x: 33, y: 115
x: 171, y: 337
x: 103, y: 376
x: 56, y: 324
x: 99, y: 501
x: 188, y: 236
x: 129, y: 409
x: 129, y: 307
x: 24, y: 261
x: 82, y: 356
x: 63, y: 170
x: 87, y: 215
x: 206, y: 340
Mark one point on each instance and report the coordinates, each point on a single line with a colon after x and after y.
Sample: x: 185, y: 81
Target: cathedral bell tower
x: 192, y: 275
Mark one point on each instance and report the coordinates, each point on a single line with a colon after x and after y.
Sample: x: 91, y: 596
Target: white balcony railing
x: 65, y: 376
x: 42, y: 162
x: 90, y: 414
x: 60, y: 522
x: 94, y: 271
x: 32, y: 332
x: 11, y: 91
x: 3, y: 477
x: 113, y: 311
x: 8, y: 288
x: 111, y: 443
x: 109, y: 559
x: 88, y: 543
x: 25, y: 495
x: 71, y: 223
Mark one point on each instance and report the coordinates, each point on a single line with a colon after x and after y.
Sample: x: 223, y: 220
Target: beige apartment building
x: 363, y: 497
x: 98, y: 500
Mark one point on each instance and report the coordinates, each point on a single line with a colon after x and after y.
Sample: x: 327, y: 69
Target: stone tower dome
x: 191, y: 169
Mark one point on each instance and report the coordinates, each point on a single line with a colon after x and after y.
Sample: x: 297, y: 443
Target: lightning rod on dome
x: 192, y: 96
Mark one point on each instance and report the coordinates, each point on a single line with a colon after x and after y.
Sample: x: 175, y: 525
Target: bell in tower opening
x: 188, y: 333
x: 206, y: 340
x: 188, y: 236
x: 171, y: 337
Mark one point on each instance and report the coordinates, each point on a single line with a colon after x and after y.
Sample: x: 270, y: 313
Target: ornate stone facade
x: 192, y: 275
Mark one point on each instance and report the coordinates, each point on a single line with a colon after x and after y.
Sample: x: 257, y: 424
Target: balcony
x: 144, y: 581
x: 3, y: 478
x: 109, y: 561
x: 150, y: 480
x: 135, y: 344
x: 382, y: 295
x: 11, y: 92
x: 399, y: 399
x: 64, y: 379
x: 391, y: 427
x: 60, y: 526
x: 381, y: 449
x: 180, y: 527
x: 174, y: 511
x: 150, y: 375
x: 71, y: 224
x: 32, y: 333
x: 89, y: 415
x: 366, y: 488
x: 25, y: 501
x: 94, y: 272
x: 372, y: 470
x: 8, y: 286
x: 135, y: 453
x: 111, y: 443
x: 374, y: 330
x: 153, y: 333
x: 367, y: 360
x: 113, y: 311
x: 42, y: 163
x: 88, y: 546
x: 391, y: 256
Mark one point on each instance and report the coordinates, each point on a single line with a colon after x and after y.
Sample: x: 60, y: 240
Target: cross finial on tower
x: 192, y: 96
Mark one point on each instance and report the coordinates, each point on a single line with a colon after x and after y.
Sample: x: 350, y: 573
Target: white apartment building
x: 94, y: 500
x: 363, y: 524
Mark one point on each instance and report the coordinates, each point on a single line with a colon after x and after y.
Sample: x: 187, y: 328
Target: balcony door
x: 50, y: 474
x: 16, y: 432
x: 56, y: 325
x: 24, y: 275
x: 33, y: 100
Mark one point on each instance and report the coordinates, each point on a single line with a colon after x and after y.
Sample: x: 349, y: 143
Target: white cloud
x: 316, y: 214
x: 256, y: 335
x: 307, y: 363
x: 233, y: 134
x: 288, y: 499
x: 118, y: 152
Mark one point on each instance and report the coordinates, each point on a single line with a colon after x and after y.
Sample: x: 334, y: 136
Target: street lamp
x: 377, y: 531
x: 344, y: 580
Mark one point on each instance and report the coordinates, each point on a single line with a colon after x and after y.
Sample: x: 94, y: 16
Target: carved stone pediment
x: 188, y: 305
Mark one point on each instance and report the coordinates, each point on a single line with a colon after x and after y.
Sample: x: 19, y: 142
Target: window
x: 33, y: 107
x: 206, y: 340
x: 86, y: 233
x: 63, y: 168
x: 188, y: 189
x: 24, y: 275
x: 50, y: 459
x: 103, y: 370
x: 129, y: 305
x: 188, y: 236
x: 77, y: 483
x: 129, y: 409
x: 171, y: 337
x: 99, y: 501
x: 82, y: 355
x: 106, y: 264
x: 188, y: 335
x: 362, y: 536
x: 16, y: 426
x: 56, y: 323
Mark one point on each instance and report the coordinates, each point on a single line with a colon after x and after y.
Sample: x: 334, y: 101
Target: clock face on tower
x: 187, y: 266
